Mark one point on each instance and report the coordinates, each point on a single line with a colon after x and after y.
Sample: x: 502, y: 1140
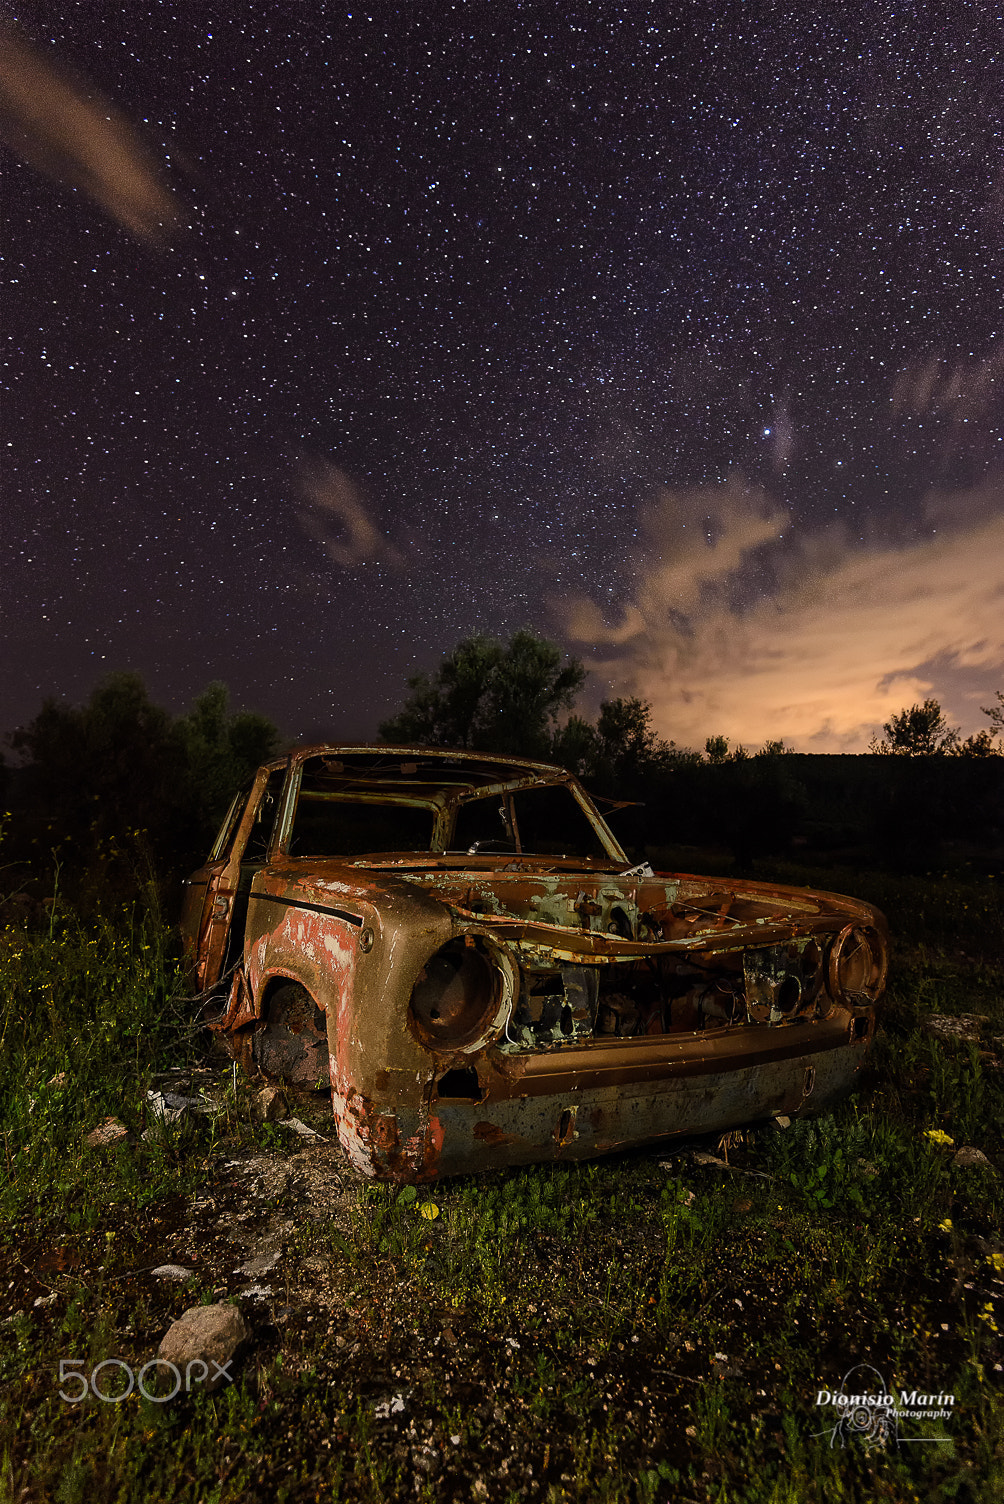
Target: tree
x: 996, y: 714
x: 92, y: 768
x: 921, y: 731
x: 716, y: 749
x: 630, y: 753
x: 576, y: 746
x: 980, y: 744
x: 118, y: 774
x: 492, y: 697
x: 218, y: 751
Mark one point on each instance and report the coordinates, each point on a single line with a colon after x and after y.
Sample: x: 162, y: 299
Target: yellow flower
x: 937, y: 1136
x: 987, y: 1315
x: 946, y: 1226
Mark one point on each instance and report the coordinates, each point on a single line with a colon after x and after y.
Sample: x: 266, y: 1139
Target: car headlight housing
x: 857, y: 965
x: 462, y: 995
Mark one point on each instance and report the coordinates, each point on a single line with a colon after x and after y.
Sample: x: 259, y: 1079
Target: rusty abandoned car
x: 458, y: 944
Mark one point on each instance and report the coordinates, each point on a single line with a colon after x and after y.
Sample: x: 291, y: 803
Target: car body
x: 458, y: 944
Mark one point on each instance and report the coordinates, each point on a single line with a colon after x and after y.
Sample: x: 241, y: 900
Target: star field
x: 502, y: 273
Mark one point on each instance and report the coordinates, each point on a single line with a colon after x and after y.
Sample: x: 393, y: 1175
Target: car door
x: 217, y: 894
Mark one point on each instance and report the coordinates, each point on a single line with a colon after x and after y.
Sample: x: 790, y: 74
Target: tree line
x: 117, y: 788
x: 926, y: 792
x: 511, y: 698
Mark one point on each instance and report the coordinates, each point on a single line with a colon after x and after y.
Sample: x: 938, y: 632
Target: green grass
x: 643, y: 1328
x: 87, y: 1014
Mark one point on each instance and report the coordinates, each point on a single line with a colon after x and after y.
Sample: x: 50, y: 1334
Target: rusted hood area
x: 608, y: 915
x: 601, y: 914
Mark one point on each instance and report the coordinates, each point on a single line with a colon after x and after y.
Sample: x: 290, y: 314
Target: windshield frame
x: 506, y: 791
x: 444, y: 805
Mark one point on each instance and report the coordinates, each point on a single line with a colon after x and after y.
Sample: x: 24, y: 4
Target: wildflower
x: 945, y: 1226
x: 937, y: 1136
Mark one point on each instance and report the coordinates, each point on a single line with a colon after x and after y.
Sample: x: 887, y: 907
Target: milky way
x: 446, y: 302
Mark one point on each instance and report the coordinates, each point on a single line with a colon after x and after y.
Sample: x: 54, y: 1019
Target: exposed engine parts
x: 776, y: 984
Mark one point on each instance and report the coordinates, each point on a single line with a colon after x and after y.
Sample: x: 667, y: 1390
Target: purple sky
x: 335, y: 333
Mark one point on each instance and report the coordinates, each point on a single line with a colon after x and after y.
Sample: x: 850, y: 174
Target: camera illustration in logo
x: 867, y: 1411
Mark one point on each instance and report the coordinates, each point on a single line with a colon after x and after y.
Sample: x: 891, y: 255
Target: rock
x: 210, y: 1333
x: 968, y: 1156
x: 270, y: 1105
x: 301, y: 1128
x: 172, y: 1271
x: 427, y: 1458
x: 111, y: 1131
x: 170, y: 1105
x: 260, y: 1263
x: 160, y: 1109
x: 960, y: 1027
x: 394, y: 1405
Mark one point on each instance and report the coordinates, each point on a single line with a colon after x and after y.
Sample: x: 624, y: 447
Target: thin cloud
x: 962, y: 390
x: 758, y: 633
x: 337, y: 518
x: 72, y: 134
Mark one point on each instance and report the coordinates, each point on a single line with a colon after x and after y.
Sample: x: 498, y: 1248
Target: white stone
x: 301, y: 1128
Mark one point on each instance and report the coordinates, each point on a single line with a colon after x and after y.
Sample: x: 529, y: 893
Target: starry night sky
x: 673, y: 331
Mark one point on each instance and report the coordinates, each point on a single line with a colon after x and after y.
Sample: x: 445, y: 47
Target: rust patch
x: 435, y: 1135
x: 292, y: 1041
x: 564, y: 1128
x: 240, y: 1009
x: 490, y: 1133
x: 384, y: 1133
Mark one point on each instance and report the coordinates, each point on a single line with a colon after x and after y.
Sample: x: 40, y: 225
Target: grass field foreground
x: 653, y: 1326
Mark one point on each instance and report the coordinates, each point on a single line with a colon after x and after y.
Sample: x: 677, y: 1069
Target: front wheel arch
x: 290, y: 1040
